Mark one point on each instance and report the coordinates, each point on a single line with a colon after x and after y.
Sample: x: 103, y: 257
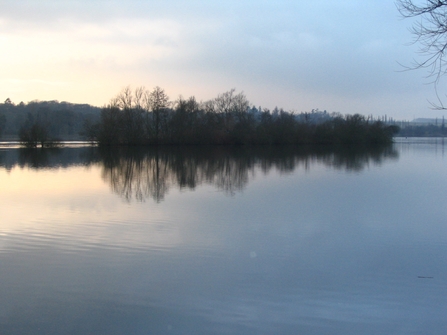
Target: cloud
x: 345, y: 50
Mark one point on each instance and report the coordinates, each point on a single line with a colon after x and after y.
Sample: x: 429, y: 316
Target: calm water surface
x: 220, y: 241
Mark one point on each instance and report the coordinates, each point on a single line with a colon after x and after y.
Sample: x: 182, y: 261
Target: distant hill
x: 427, y: 121
x: 424, y: 127
x: 64, y: 120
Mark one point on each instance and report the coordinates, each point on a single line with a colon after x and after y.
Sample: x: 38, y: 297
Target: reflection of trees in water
x: 47, y: 158
x: 356, y: 159
x: 35, y: 159
x: 137, y: 173
x: 132, y: 173
x: 141, y: 173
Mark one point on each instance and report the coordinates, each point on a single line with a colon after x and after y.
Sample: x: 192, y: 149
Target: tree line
x: 429, y: 130
x: 45, y: 122
x: 144, y: 117
x: 147, y: 117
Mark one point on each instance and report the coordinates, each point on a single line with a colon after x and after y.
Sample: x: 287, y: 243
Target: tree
x: 231, y: 107
x: 431, y: 33
x: 91, y: 130
x: 157, y: 102
x: 2, y: 123
x: 130, y: 105
x: 31, y: 135
x: 186, y: 121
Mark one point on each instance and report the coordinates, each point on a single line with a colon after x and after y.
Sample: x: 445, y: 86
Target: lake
x: 218, y: 240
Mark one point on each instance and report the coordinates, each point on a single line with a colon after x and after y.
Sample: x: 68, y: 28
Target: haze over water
x: 224, y: 241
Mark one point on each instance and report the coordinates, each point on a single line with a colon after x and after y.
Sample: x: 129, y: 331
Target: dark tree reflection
x: 141, y: 173
x: 47, y: 158
x: 138, y: 174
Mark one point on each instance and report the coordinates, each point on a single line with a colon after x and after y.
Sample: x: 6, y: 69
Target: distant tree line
x: 145, y: 117
x: 42, y: 122
x: 2, y: 123
x: 429, y: 130
x: 142, y: 117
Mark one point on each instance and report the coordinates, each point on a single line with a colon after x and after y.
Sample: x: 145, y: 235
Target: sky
x: 341, y: 56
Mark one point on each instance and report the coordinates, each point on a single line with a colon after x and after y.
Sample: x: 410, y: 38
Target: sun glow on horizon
x: 90, y: 66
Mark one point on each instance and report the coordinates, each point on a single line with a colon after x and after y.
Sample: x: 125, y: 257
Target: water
x: 224, y: 241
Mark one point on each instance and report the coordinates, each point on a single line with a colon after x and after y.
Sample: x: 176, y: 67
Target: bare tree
x: 430, y: 32
x: 130, y: 106
x: 230, y: 106
x: 139, y: 97
x: 157, y: 102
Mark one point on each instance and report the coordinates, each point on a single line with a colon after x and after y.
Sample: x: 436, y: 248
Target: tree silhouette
x: 142, y: 118
x: 2, y: 123
x: 34, y: 134
x: 158, y: 103
x: 430, y: 33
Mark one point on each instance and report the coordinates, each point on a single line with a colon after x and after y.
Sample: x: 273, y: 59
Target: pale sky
x: 338, y: 56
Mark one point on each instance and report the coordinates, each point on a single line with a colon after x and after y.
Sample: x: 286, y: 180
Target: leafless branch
x: 430, y: 32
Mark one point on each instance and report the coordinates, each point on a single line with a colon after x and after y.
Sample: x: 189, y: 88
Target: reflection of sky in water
x: 317, y: 250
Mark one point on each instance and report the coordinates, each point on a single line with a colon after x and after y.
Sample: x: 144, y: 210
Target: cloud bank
x: 340, y: 56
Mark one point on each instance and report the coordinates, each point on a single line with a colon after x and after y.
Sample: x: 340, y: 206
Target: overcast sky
x: 299, y: 55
